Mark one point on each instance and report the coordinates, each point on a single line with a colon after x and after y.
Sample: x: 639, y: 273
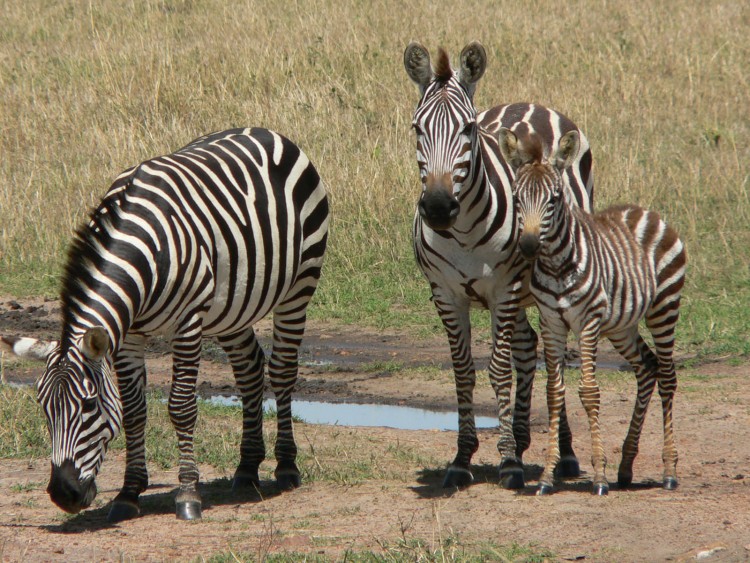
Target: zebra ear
x: 96, y: 343
x: 417, y: 65
x: 510, y: 147
x: 473, y: 64
x: 567, y: 151
x: 27, y: 347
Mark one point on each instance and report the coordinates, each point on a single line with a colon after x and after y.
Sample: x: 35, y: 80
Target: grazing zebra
x: 598, y: 275
x: 201, y: 242
x: 464, y: 241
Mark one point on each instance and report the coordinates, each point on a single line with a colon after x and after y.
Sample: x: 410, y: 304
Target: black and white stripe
x: 465, y: 236
x: 598, y: 275
x: 201, y: 242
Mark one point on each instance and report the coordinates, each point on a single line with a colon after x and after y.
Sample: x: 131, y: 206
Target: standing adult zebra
x: 598, y: 275
x: 202, y: 242
x: 464, y: 240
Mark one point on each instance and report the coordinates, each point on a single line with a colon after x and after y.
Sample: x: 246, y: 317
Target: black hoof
x: 600, y: 490
x: 670, y: 483
x: 457, y: 477
x: 288, y: 480
x: 568, y: 468
x: 624, y: 480
x: 245, y: 482
x: 511, y: 474
x: 189, y: 510
x: 544, y: 489
x: 122, y: 510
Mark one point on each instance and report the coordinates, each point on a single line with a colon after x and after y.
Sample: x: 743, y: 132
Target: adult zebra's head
x: 538, y: 189
x: 81, y: 402
x: 446, y: 127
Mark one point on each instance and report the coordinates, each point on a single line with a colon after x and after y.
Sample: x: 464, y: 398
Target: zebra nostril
x: 529, y: 246
x: 455, y: 207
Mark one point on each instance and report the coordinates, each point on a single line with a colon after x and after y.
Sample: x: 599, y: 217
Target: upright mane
x: 443, y: 70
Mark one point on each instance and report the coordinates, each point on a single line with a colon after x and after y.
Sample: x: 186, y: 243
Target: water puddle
x: 352, y: 414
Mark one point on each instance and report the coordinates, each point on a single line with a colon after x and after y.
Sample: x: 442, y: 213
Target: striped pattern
x: 464, y: 241
x: 200, y: 243
x: 599, y: 275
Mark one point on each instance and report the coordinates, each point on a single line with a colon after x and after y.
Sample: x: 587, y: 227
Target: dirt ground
x: 707, y: 518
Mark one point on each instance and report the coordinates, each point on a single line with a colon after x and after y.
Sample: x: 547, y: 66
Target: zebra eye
x: 469, y: 128
x: 89, y: 404
x: 416, y: 128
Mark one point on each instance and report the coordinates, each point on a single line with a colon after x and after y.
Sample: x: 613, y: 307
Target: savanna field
x: 661, y: 90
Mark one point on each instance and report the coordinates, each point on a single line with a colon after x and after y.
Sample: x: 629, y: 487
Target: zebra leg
x: 661, y: 323
x: 248, y: 361
x: 634, y: 349
x: 501, y: 378
x: 554, y: 353
x: 457, y: 325
x: 588, y: 390
x: 130, y: 368
x: 183, y: 412
x: 288, y: 329
x: 524, y: 344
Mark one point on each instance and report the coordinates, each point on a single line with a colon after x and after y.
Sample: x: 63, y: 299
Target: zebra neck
x: 561, y: 252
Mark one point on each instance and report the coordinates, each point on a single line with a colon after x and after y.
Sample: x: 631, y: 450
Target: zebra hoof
x: 511, y: 474
x: 288, y: 479
x: 245, y: 481
x: 568, y: 468
x: 600, y: 490
x: 670, y: 483
x: 624, y: 480
x: 189, y: 510
x: 122, y: 510
x: 457, y: 477
x: 544, y: 489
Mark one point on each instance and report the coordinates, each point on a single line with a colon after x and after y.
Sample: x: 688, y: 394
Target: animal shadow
x: 159, y: 499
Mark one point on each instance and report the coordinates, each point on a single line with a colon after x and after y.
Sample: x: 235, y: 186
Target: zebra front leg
x: 501, y: 378
x: 183, y: 412
x: 457, y: 325
x: 131, y: 380
x: 524, y: 345
x: 248, y: 361
x: 588, y: 390
x: 554, y: 353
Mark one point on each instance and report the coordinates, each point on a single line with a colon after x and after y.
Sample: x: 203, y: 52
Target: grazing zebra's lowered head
x: 538, y: 186
x: 445, y: 122
x: 79, y: 397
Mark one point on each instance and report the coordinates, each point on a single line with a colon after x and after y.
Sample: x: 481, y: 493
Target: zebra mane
x: 443, y: 70
x: 82, y: 254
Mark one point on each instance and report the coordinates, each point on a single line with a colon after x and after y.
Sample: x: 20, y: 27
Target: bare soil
x: 706, y: 518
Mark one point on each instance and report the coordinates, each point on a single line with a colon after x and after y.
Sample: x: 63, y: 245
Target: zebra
x: 199, y: 243
x: 598, y: 275
x: 464, y: 238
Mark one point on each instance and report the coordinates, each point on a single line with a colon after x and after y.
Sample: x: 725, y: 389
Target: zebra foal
x: 201, y: 242
x: 598, y: 275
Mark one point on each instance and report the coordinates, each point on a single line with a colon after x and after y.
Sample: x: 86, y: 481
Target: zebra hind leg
x: 248, y: 362
x: 289, y: 328
x: 635, y: 350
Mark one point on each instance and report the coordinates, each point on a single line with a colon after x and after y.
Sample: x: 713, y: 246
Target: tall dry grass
x: 661, y: 90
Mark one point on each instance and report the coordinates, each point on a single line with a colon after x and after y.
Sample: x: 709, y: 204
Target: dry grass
x: 661, y: 90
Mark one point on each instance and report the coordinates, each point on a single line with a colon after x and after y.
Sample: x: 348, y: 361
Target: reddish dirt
x: 706, y: 518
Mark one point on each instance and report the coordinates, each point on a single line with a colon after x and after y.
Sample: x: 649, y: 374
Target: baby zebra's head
x: 538, y: 188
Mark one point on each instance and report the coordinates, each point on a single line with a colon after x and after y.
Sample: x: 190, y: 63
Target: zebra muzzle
x: 68, y: 491
x: 438, y: 209
x: 529, y: 246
